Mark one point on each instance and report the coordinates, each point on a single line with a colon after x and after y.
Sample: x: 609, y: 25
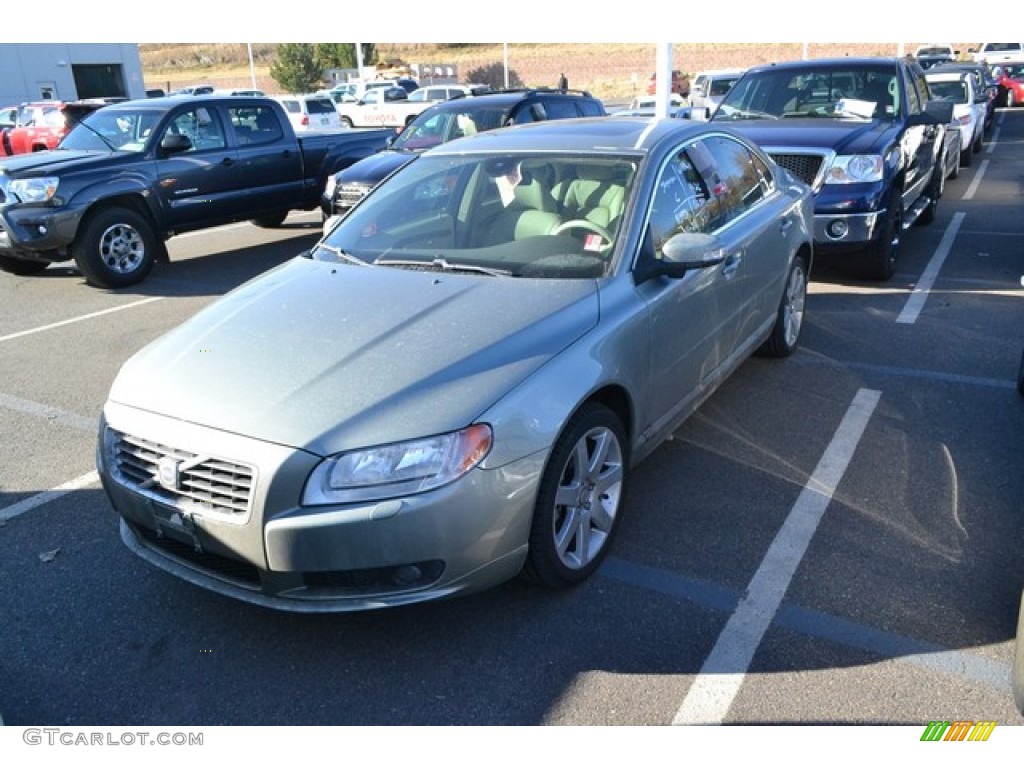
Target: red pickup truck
x: 40, y: 125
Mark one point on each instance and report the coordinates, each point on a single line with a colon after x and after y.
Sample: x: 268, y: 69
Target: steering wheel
x: 589, y: 226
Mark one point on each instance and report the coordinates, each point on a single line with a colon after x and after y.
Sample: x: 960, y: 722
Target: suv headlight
x: 398, y: 469
x: 852, y: 169
x: 37, y: 190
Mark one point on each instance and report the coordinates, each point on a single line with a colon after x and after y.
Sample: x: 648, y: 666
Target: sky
x: 514, y: 21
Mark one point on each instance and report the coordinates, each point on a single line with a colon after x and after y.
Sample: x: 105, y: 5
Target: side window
x: 557, y: 109
x: 733, y: 177
x: 202, y: 126
x: 255, y: 125
x: 917, y: 94
x: 530, y: 113
x: 681, y: 202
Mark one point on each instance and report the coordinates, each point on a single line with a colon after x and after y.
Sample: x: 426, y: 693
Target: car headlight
x: 852, y: 169
x: 398, y: 469
x: 37, y: 190
x: 332, y: 183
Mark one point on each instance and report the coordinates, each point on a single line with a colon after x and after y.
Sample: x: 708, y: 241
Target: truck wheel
x: 271, y: 221
x: 936, y: 187
x: 347, y: 121
x: 966, y: 153
x: 115, y: 248
x: 882, y: 253
x: 22, y: 266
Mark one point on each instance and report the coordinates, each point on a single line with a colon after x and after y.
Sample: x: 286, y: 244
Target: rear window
x: 319, y: 106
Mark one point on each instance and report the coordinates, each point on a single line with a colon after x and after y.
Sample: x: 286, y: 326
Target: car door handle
x: 228, y: 161
x: 784, y: 224
x: 731, y: 264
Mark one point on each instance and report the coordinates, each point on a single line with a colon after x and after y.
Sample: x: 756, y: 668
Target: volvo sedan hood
x: 328, y: 357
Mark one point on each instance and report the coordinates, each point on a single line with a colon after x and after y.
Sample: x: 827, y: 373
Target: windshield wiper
x: 341, y: 254
x: 444, y: 265
x: 99, y: 135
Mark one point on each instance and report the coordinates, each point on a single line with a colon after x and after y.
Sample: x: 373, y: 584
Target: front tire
x: 966, y: 155
x: 1011, y: 99
x: 579, y: 498
x: 883, y: 252
x: 790, y: 317
x: 115, y: 248
x: 936, y: 188
x: 21, y: 266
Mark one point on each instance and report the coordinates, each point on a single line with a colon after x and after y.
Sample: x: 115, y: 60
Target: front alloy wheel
x: 579, y: 499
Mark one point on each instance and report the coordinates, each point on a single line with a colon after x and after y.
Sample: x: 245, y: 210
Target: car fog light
x: 837, y: 229
x: 408, y: 574
x: 42, y: 229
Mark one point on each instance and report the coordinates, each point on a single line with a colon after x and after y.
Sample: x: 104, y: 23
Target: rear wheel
x: 347, y: 121
x: 1011, y: 99
x: 578, y: 500
x: 790, y: 317
x: 882, y: 253
x: 21, y: 266
x: 978, y: 142
x: 966, y: 155
x: 271, y: 221
x: 1020, y: 376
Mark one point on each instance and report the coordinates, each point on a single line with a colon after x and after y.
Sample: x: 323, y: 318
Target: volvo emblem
x: 168, y: 473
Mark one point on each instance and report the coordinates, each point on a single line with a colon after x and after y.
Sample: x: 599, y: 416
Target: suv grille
x: 184, y: 480
x: 805, y: 167
x: 347, y: 195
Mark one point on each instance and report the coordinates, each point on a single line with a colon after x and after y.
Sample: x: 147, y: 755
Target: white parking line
x: 976, y: 181
x: 917, y: 298
x: 48, y: 412
x: 78, y: 319
x: 712, y: 693
x: 23, y: 506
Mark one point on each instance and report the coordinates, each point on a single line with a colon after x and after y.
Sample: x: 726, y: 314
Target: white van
x: 707, y: 90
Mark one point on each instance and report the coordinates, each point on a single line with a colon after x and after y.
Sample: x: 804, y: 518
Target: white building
x: 69, y: 71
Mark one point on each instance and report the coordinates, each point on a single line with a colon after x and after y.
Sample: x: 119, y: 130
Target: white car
x: 309, y: 112
x: 993, y: 53
x: 445, y: 92
x: 707, y: 90
x: 970, y: 105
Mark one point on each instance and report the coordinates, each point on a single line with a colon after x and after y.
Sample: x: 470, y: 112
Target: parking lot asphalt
x: 833, y: 538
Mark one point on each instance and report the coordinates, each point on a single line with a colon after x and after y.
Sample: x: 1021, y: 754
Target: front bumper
x: 271, y: 551
x: 39, y: 233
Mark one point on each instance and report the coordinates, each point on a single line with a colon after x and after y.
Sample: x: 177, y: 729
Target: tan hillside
x: 611, y: 71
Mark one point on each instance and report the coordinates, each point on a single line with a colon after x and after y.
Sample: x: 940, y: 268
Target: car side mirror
x: 173, y: 143
x: 689, y: 250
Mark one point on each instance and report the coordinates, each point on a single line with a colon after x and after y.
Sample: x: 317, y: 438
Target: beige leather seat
x: 593, y: 195
x: 530, y: 213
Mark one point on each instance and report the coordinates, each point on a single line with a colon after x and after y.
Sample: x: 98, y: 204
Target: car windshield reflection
x: 495, y: 215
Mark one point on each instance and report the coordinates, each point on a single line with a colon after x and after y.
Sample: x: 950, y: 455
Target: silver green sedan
x: 451, y: 387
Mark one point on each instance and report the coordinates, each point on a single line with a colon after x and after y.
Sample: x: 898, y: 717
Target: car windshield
x: 554, y: 216
x: 844, y: 92
x: 119, y: 129
x: 433, y: 128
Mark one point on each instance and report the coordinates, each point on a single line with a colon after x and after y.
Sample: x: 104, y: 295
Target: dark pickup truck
x: 131, y: 175
x: 864, y: 133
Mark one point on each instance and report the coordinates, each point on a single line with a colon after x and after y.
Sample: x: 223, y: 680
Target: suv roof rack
x: 546, y: 89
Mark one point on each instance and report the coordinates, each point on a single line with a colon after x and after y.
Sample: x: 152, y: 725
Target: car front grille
x: 805, y: 166
x: 187, y: 481
x: 347, y: 195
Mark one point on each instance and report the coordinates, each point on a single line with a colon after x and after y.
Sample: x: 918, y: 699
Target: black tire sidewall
x: 85, y: 249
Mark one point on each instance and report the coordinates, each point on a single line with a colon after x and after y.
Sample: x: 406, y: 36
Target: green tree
x: 296, y: 69
x: 342, y: 55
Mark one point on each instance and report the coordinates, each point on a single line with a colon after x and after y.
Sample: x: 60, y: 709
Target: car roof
x: 836, y: 61
x: 581, y: 135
